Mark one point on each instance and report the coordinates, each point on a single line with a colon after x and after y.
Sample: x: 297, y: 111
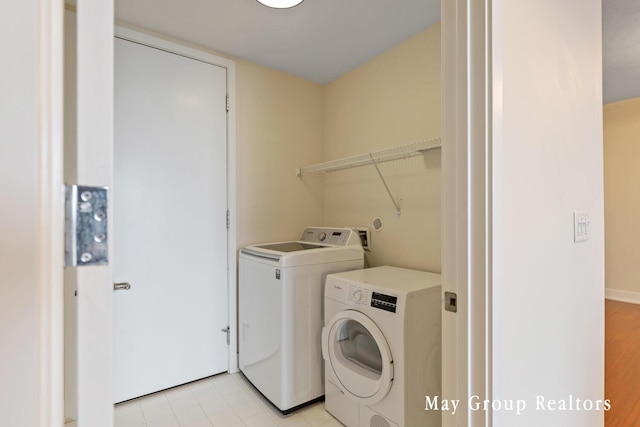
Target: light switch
x: 580, y: 226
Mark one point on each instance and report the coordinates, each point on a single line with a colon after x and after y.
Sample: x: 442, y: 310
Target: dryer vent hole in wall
x: 377, y: 223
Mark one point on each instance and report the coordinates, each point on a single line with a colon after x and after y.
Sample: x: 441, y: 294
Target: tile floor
x: 221, y: 401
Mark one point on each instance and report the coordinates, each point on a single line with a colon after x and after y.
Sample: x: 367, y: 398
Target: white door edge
x: 467, y: 216
x: 94, y: 168
x: 230, y: 66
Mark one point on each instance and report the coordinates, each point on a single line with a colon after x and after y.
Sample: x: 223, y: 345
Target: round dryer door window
x: 359, y: 356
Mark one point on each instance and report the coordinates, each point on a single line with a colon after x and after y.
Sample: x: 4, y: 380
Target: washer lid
x: 290, y: 246
x: 359, y: 356
x: 320, y: 254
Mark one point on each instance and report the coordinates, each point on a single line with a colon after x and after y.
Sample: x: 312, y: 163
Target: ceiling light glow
x: 280, y: 4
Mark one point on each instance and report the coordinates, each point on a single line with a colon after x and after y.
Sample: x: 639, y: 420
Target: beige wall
x: 622, y: 203
x: 391, y: 100
x: 279, y: 120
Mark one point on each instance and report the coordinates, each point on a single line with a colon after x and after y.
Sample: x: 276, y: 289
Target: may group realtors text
x: 434, y: 403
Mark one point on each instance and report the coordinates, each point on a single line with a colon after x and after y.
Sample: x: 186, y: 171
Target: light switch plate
x: 580, y: 226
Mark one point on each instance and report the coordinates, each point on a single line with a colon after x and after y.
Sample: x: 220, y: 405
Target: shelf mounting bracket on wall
x: 373, y: 158
x: 384, y: 181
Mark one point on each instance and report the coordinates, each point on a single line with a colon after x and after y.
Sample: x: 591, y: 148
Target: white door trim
x: 50, y: 233
x: 467, y: 216
x: 94, y: 160
x: 230, y: 66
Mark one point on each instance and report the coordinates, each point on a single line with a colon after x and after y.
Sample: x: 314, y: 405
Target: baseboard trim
x: 622, y: 296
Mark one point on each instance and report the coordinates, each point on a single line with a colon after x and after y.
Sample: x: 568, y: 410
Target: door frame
x: 467, y: 250
x: 230, y: 66
x: 49, y: 249
x: 454, y: 20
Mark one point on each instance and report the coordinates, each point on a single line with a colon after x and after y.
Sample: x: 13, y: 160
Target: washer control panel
x: 327, y: 236
x: 384, y: 302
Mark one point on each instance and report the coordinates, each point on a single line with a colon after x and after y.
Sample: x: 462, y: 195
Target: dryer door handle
x: 325, y: 344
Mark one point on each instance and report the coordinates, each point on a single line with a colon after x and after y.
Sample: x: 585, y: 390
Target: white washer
x: 280, y: 311
x: 381, y: 346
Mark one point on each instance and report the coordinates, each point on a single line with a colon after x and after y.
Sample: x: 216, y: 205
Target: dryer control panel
x: 384, y: 302
x: 358, y: 295
x: 364, y: 296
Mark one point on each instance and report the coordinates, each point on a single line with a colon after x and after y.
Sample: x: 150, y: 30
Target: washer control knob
x: 322, y: 236
x: 357, y: 295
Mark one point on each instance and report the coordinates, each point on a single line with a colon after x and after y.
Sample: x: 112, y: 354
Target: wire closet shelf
x: 400, y: 152
x: 375, y: 157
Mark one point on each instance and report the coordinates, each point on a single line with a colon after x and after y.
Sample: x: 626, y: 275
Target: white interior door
x: 170, y: 234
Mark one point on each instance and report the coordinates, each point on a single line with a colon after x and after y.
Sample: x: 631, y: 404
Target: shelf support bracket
x: 396, y: 204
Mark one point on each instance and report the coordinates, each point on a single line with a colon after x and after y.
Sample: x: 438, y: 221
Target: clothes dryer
x: 381, y: 347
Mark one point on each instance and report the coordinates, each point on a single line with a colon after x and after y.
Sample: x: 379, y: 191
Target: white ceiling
x: 621, y: 49
x: 320, y: 40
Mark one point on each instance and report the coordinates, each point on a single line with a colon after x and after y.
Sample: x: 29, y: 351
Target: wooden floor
x: 622, y: 363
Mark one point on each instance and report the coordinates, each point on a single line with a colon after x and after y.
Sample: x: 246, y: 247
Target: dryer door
x: 359, y: 356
